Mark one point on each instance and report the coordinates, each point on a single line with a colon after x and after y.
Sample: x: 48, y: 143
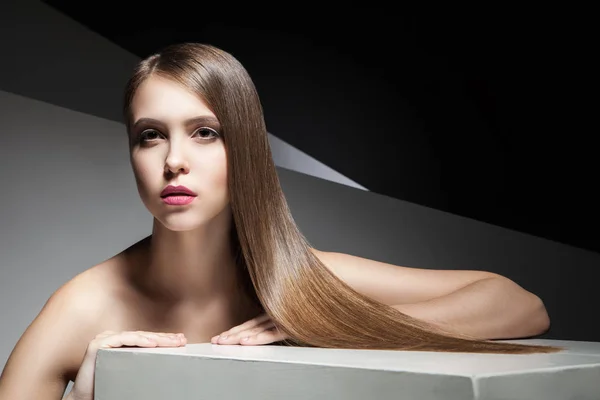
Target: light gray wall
x: 68, y: 202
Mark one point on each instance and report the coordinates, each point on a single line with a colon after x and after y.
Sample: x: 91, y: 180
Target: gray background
x: 69, y: 199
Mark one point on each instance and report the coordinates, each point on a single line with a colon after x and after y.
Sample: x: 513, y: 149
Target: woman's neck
x: 193, y: 267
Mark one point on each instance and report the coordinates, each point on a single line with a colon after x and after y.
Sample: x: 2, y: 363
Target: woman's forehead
x: 164, y: 99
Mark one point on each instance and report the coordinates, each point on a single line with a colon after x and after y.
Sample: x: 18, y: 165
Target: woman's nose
x: 176, y: 162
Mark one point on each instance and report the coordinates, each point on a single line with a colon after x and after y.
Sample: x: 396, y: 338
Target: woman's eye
x: 206, y: 133
x: 149, y: 134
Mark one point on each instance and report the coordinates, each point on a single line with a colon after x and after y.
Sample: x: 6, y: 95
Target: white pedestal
x: 207, y: 371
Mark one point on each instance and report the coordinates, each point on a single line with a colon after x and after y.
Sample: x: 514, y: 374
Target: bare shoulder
x: 51, y: 349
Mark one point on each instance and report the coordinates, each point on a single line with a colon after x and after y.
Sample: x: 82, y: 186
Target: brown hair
x: 302, y: 296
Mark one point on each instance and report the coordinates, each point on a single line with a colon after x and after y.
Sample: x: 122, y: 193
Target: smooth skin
x: 180, y: 279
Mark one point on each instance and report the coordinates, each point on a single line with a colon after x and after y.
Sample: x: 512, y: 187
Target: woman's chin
x: 190, y: 219
x: 180, y: 223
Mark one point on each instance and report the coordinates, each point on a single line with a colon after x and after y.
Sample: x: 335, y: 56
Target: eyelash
x: 141, y: 135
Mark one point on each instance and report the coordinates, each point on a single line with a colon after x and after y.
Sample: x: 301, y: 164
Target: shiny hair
x: 277, y: 268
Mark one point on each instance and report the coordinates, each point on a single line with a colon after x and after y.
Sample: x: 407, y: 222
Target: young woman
x: 226, y: 257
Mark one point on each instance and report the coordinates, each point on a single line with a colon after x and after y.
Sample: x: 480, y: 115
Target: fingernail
x: 224, y: 337
x: 246, y: 338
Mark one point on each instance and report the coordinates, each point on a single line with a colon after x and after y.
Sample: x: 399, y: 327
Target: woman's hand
x: 83, y: 388
x: 259, y: 330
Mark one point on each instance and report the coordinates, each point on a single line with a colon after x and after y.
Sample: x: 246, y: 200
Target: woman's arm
x: 52, y: 347
x: 493, y: 308
x: 478, y: 303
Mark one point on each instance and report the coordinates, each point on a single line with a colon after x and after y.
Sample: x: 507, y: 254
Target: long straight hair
x: 277, y: 268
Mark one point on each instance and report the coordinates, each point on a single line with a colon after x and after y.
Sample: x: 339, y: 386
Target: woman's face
x: 175, y: 140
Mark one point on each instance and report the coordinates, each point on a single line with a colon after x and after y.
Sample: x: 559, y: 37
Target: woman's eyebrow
x: 204, y: 119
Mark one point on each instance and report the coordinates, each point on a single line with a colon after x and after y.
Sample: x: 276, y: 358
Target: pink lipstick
x: 177, y: 195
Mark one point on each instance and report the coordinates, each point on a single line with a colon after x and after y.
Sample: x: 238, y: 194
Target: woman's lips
x: 178, y: 199
x: 177, y: 190
x: 177, y: 195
